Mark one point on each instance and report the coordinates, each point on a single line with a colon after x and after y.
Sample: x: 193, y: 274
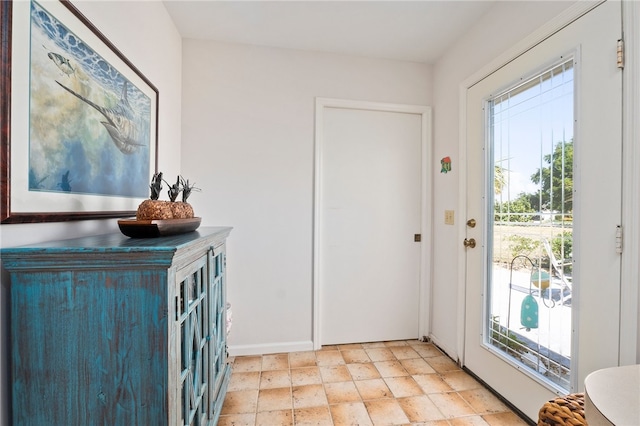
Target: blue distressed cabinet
x: 111, y: 330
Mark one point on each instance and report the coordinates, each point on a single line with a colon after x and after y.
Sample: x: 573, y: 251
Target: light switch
x: 448, y: 217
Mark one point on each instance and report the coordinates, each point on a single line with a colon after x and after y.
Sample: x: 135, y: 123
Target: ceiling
x: 418, y: 30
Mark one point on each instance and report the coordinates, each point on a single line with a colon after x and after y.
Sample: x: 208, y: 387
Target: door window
x: 530, y: 136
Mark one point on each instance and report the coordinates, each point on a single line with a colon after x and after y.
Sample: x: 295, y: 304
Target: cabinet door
x: 218, y: 343
x: 192, y: 313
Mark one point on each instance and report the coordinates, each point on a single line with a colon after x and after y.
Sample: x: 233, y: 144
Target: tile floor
x: 385, y: 383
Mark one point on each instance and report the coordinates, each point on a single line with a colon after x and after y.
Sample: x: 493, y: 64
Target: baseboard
x: 270, y: 348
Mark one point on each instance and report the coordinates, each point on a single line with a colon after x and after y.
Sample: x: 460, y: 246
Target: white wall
x: 248, y: 143
x: 496, y: 32
x: 145, y: 34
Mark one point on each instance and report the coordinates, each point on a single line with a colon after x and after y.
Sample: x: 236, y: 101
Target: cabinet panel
x: 72, y: 340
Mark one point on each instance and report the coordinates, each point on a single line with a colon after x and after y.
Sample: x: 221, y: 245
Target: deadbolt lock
x: 471, y: 223
x: 470, y: 243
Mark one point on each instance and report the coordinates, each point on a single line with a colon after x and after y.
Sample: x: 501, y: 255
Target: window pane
x: 529, y: 276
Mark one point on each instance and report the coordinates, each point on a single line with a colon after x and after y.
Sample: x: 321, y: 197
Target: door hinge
x: 619, y: 239
x: 620, y: 54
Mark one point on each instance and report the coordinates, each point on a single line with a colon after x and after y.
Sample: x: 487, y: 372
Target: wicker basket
x: 567, y: 410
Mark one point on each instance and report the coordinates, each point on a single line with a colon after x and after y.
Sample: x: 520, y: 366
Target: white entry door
x: 369, y: 194
x: 543, y: 281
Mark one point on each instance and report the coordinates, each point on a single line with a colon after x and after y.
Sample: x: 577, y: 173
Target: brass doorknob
x: 471, y: 242
x: 471, y: 223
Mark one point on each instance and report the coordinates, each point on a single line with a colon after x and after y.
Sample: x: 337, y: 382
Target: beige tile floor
x: 385, y: 383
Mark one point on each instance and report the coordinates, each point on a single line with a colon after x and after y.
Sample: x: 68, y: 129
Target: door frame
x: 629, y: 351
x: 426, y: 244
x: 629, y: 291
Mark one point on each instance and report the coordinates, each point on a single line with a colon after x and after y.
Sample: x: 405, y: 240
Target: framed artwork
x: 78, y: 120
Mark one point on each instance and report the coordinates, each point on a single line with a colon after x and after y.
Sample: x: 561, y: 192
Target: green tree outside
x: 555, y: 180
x: 518, y: 210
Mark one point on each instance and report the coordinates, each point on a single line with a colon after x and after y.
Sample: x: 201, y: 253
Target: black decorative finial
x: 156, y: 186
x: 174, y: 190
x: 187, y: 188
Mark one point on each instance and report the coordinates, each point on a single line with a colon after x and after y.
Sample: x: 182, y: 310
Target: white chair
x: 557, y: 271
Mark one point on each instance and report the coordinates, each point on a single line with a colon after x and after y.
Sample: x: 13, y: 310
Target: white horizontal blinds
x: 530, y: 136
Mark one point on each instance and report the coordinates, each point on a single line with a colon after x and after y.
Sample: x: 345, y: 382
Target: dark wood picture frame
x: 7, y: 214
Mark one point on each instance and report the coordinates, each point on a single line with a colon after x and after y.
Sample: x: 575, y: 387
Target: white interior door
x: 370, y: 203
x: 516, y: 115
